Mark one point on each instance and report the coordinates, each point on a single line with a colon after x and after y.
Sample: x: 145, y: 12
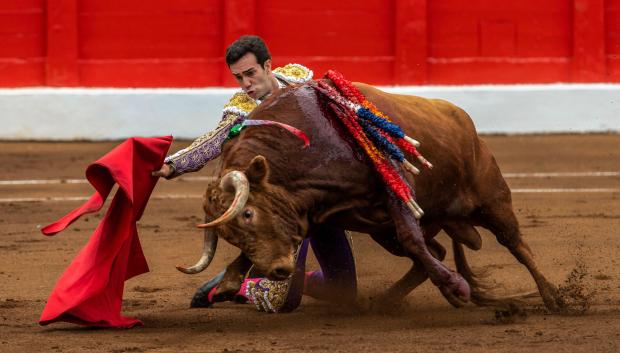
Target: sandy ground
x: 570, y: 232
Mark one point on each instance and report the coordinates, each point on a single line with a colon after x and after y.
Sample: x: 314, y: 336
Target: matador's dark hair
x: 248, y: 44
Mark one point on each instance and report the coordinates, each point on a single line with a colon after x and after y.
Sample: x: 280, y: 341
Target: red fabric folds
x: 90, y: 291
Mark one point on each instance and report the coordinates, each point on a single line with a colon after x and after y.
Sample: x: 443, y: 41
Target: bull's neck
x: 328, y: 175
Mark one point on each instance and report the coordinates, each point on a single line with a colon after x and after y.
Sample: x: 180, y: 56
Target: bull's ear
x: 258, y: 170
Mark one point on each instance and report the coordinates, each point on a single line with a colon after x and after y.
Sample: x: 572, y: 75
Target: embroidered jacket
x: 208, y: 146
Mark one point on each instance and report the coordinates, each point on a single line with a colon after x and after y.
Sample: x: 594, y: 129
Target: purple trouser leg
x: 296, y: 286
x: 337, y: 280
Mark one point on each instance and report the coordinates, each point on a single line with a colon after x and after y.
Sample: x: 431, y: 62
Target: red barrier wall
x: 163, y: 43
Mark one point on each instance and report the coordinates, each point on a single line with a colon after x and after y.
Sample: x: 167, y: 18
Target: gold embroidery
x: 267, y: 295
x: 294, y: 73
x: 226, y: 121
x: 241, y: 101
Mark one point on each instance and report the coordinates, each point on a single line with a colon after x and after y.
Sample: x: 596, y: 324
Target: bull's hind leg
x: 416, y: 274
x: 502, y: 222
x: 452, y: 285
x: 462, y: 232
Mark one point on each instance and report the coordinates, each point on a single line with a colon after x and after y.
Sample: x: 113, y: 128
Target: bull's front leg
x: 224, y: 285
x: 453, y: 287
x: 234, y: 275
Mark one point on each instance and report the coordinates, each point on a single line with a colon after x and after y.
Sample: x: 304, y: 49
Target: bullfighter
x: 249, y: 61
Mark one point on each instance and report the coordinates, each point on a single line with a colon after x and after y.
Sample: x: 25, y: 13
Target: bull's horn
x: 237, y: 181
x: 208, y: 252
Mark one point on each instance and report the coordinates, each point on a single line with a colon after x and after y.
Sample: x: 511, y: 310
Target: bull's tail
x: 481, y: 286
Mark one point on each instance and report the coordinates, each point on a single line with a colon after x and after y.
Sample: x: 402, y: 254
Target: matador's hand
x: 165, y: 171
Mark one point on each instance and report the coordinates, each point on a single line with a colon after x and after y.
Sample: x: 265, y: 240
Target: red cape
x: 90, y: 291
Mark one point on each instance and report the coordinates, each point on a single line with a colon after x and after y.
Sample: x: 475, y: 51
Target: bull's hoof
x: 200, y: 300
x: 552, y: 299
x: 455, y: 300
x: 240, y: 299
x: 201, y: 297
x: 458, y: 293
x: 225, y: 291
x: 556, y: 306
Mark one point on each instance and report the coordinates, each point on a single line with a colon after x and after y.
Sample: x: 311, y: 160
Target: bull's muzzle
x: 281, y: 270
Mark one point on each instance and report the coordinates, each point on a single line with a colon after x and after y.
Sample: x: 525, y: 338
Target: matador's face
x: 254, y: 79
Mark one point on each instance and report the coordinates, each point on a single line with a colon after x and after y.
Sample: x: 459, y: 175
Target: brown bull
x: 271, y: 193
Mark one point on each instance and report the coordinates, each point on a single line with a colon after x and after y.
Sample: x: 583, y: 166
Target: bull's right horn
x: 208, y: 252
x: 237, y: 181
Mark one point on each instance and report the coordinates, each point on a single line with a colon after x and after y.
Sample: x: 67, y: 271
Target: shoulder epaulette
x: 293, y: 73
x: 240, y: 104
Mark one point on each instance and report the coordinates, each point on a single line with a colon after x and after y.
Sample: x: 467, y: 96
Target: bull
x: 271, y: 193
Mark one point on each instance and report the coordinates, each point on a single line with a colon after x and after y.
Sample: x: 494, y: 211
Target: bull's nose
x: 280, y: 272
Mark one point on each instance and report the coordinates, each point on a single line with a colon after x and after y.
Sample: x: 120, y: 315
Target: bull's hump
x: 327, y: 135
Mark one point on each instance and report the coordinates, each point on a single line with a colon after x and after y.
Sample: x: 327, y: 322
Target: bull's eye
x: 247, y: 214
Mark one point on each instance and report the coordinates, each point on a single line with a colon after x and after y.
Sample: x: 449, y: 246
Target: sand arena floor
x: 570, y: 215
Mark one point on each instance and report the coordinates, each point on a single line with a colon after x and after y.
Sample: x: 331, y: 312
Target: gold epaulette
x: 240, y: 104
x: 293, y: 73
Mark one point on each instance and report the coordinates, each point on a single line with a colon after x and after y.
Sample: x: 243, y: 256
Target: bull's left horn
x: 237, y: 181
x: 208, y: 252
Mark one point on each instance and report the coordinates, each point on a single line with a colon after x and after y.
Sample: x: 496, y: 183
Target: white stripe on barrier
x: 88, y: 113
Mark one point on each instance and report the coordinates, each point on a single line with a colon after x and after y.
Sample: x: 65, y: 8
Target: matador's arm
x: 208, y: 146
